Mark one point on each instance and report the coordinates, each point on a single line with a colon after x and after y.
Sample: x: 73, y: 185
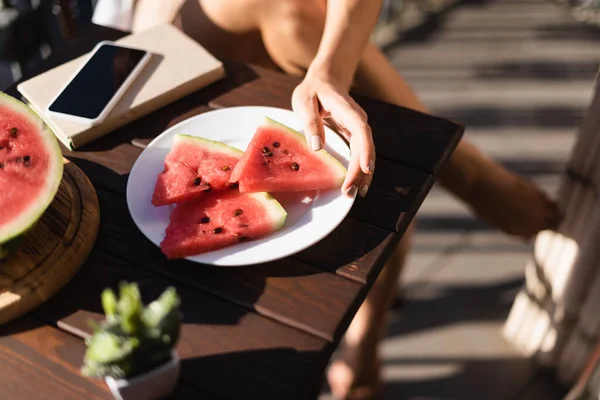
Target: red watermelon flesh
x: 193, y: 167
x: 30, y: 169
x: 220, y: 220
x: 278, y: 159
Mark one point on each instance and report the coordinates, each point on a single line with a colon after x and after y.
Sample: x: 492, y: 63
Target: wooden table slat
x: 290, y: 290
x: 220, y: 341
x: 395, y: 195
x: 354, y: 249
x: 181, y: 112
x: 40, y: 362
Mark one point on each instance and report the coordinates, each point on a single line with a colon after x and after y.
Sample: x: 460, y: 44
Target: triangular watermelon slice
x: 278, y: 159
x: 221, y: 220
x: 194, y: 166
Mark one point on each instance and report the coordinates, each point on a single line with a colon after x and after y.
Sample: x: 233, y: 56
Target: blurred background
x: 520, y: 75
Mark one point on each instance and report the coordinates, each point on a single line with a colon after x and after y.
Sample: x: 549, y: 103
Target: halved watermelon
x: 278, y: 159
x: 220, y: 220
x: 31, y: 169
x: 194, y: 166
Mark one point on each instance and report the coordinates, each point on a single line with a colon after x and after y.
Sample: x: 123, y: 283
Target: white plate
x: 311, y: 215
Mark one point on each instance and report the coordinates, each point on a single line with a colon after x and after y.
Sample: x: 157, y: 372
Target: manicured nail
x: 350, y: 191
x: 370, y: 167
x: 315, y: 142
x: 364, y: 190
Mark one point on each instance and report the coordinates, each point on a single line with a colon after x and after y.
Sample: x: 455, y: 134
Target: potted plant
x: 133, y: 348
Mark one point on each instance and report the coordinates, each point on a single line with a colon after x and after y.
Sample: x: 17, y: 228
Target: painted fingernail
x: 370, y: 167
x: 315, y: 142
x: 364, y: 190
x: 350, y: 191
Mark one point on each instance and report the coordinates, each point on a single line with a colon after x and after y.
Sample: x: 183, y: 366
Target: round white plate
x: 311, y: 215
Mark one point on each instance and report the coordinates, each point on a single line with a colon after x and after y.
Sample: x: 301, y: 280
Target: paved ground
x: 519, y: 74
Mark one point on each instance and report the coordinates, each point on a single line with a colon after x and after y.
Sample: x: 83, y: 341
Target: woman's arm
x: 324, y: 91
x: 348, y: 27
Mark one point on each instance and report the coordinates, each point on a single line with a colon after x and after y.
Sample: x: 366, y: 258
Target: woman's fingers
x: 306, y: 105
x: 354, y: 120
x: 313, y: 107
x: 353, y: 178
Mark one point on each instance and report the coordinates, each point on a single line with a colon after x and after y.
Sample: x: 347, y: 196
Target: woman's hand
x: 319, y: 97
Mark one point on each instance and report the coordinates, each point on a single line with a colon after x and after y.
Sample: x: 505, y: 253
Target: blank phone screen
x: 97, y: 82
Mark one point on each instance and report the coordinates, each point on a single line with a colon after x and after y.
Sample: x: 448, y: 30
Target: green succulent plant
x: 133, y: 338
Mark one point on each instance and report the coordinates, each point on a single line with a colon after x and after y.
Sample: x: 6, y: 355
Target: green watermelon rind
x: 275, y: 211
x: 335, y: 165
x: 11, y: 235
x: 211, y: 145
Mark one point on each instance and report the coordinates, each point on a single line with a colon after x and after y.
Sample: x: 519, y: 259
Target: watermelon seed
x: 197, y: 181
x: 208, y: 189
x: 269, y: 154
x: 286, y: 152
x: 1, y: 165
x: 14, y: 132
x: 26, y: 160
x: 266, y: 150
x: 225, y: 168
x: 205, y: 220
x: 243, y: 238
x: 218, y: 230
x: 276, y: 144
x: 295, y: 166
x: 234, y: 185
x: 237, y: 212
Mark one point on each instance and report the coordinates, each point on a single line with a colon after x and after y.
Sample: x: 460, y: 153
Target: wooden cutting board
x: 54, y: 250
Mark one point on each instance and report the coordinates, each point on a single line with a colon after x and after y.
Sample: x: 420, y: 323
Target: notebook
x: 178, y: 67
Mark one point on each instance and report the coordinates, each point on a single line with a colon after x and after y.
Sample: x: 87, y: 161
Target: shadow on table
x: 21, y: 324
x: 210, y: 295
x: 78, y: 302
x: 260, y: 374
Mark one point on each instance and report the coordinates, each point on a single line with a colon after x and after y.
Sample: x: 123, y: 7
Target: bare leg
x: 356, y: 373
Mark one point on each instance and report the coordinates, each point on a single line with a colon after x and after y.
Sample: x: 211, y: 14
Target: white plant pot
x: 152, y: 385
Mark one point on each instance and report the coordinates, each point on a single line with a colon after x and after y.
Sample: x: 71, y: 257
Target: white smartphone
x: 99, y: 84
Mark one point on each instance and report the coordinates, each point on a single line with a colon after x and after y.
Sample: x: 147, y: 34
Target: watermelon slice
x: 31, y: 169
x: 193, y: 167
x: 220, y: 220
x: 278, y: 159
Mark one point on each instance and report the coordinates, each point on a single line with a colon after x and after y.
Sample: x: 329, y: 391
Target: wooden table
x: 258, y: 332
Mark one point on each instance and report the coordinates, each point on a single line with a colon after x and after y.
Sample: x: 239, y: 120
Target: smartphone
x: 99, y: 84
